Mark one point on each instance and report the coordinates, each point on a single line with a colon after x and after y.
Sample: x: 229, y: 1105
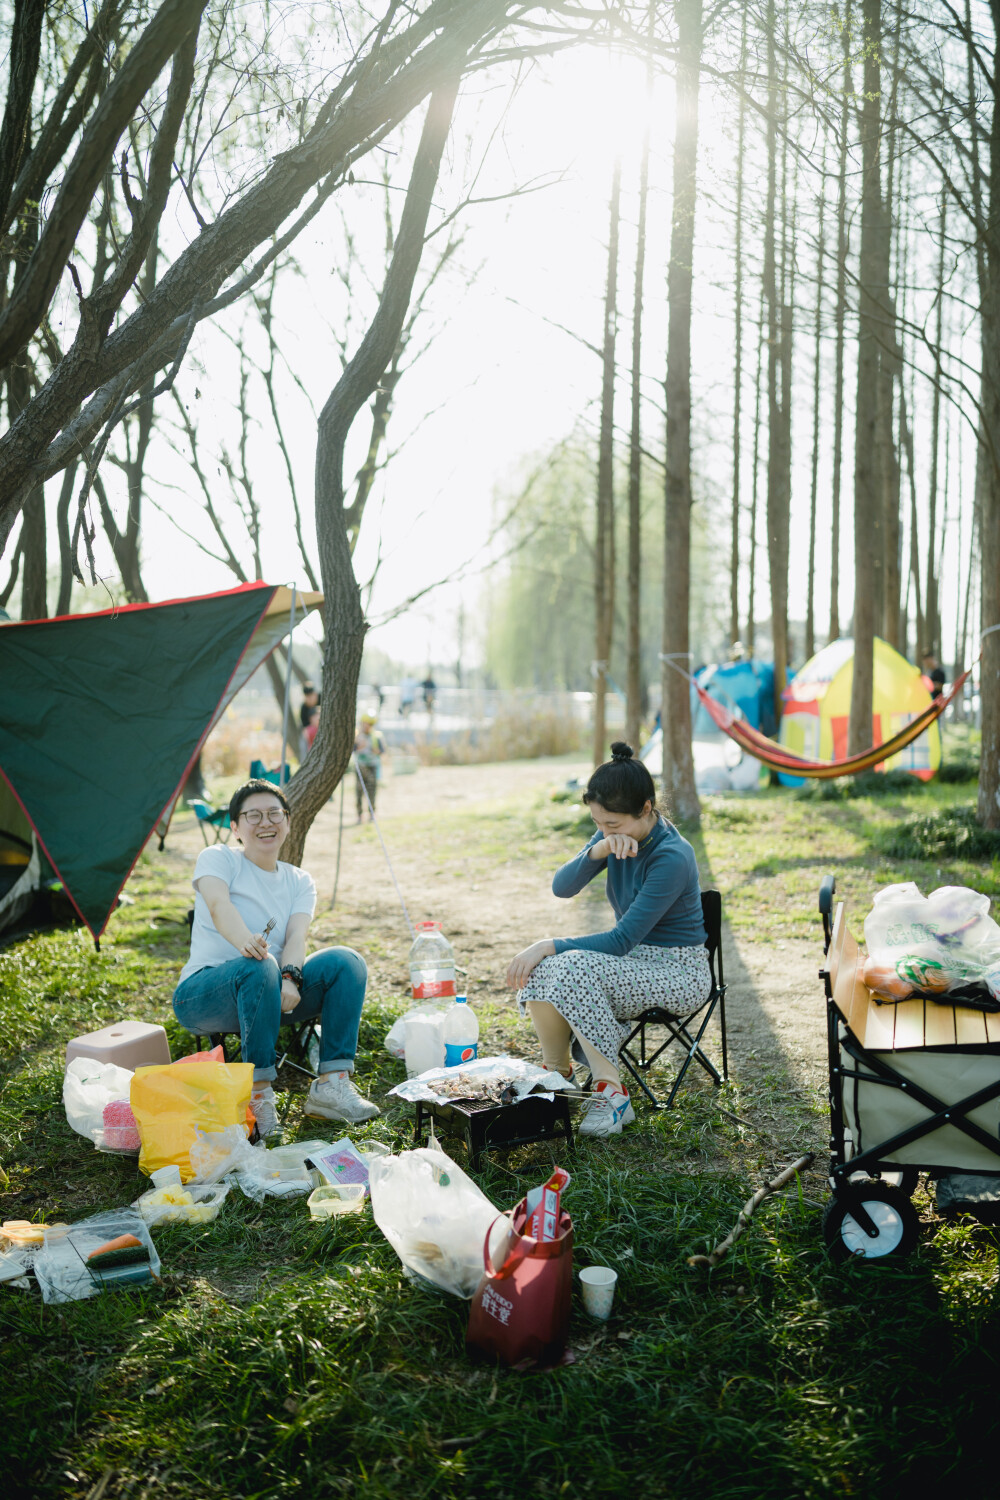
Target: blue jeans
x: 244, y: 995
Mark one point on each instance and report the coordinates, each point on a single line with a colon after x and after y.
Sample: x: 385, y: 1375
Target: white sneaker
x: 336, y: 1098
x: 607, y: 1110
x: 263, y: 1107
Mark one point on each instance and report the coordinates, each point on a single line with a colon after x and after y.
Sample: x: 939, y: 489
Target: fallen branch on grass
x: 709, y: 1262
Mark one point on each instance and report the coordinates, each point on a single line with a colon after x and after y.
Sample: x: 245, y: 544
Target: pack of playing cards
x: 340, y: 1162
x: 542, y: 1205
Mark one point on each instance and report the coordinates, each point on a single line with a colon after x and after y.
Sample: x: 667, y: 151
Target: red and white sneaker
x: 606, y: 1111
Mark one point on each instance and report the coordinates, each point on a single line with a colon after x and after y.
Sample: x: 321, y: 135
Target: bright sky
x: 499, y: 382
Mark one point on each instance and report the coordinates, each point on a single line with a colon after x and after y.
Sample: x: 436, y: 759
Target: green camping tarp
x: 102, y: 715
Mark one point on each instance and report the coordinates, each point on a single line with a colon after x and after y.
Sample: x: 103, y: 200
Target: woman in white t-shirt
x: 238, y: 980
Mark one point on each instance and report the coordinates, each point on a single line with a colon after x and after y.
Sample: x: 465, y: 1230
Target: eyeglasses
x: 256, y: 816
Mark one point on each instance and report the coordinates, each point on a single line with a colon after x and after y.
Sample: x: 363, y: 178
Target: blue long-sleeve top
x: 655, y: 895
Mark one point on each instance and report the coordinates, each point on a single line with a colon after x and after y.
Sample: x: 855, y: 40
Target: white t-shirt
x: 258, y: 895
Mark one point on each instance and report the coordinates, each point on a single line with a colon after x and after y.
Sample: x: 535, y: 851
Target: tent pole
x: 282, y: 778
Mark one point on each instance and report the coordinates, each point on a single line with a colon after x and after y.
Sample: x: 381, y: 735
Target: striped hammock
x: 777, y: 758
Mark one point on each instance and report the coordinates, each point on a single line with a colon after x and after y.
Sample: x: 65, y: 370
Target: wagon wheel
x: 906, y: 1179
x: 892, y: 1213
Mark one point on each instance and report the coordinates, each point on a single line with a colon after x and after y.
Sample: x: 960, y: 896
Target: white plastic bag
x: 395, y: 1040
x: 434, y: 1217
x: 87, y: 1087
x: 932, y: 943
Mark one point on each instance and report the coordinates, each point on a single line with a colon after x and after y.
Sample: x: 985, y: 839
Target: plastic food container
x: 336, y: 1198
x: 175, y: 1205
x: 22, y: 1235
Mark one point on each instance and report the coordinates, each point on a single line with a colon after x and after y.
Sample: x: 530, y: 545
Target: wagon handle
x: 826, y: 892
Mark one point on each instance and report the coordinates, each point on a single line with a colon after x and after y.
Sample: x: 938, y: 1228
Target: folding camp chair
x: 302, y: 1051
x: 302, y: 1044
x: 259, y: 772
x: 217, y: 820
x: 679, y: 1029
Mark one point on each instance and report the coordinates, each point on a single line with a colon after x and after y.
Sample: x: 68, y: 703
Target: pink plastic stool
x: 129, y: 1044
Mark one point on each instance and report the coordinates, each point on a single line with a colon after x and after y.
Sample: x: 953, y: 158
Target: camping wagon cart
x: 914, y: 1087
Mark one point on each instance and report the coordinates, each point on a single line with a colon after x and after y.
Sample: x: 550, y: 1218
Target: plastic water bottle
x: 432, y: 964
x: 461, y: 1033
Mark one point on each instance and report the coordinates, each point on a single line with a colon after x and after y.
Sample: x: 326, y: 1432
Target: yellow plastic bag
x: 171, y: 1101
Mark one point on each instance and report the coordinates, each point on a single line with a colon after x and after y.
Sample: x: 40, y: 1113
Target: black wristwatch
x: 294, y: 973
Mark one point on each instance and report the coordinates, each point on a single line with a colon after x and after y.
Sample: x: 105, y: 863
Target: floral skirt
x: 600, y: 994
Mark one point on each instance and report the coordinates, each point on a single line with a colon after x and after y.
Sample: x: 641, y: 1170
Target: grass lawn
x: 282, y: 1358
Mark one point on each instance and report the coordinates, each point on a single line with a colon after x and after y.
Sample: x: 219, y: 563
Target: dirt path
x: 488, y: 884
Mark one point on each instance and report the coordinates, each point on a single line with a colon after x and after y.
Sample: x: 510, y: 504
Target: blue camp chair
x: 217, y: 819
x: 259, y: 772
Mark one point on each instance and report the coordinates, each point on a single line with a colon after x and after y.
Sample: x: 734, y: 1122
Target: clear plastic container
x: 336, y: 1198
x: 432, y: 964
x: 167, y: 1205
x: 21, y: 1235
x: 461, y: 1033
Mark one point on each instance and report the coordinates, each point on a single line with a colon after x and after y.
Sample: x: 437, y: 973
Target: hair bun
x: 620, y: 751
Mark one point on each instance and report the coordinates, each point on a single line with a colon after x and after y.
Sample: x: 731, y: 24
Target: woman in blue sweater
x: 585, y: 991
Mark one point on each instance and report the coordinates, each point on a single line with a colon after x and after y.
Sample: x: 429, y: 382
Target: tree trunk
x: 867, y: 488
x: 932, y: 643
x: 633, y: 669
x: 65, y: 546
x: 814, y: 476
x: 734, y: 548
x: 344, y: 619
x: 751, y: 631
x: 778, y: 384
x: 890, y: 369
x: 678, y: 762
x: 840, y: 320
x: 604, y: 540
x: 988, y: 244
x: 907, y: 441
x: 34, y: 603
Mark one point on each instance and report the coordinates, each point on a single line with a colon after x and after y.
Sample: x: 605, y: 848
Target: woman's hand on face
x: 521, y: 967
x: 618, y: 844
x: 290, y: 996
x: 255, y: 946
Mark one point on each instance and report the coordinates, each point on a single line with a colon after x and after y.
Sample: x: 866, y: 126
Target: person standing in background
x: 368, y: 749
x: 310, y: 701
x: 933, y: 672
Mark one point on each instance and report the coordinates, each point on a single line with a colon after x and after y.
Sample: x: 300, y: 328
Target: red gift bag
x: 520, y: 1311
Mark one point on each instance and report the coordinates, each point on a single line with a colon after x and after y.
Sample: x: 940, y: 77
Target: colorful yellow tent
x: 818, y: 705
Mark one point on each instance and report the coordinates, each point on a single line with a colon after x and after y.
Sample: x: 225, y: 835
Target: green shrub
x: 959, y: 770
x: 867, y: 784
x: 952, y: 833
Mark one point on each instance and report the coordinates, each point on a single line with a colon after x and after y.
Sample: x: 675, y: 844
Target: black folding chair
x: 679, y: 1029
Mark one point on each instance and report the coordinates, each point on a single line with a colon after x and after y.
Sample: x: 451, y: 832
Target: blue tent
x: 746, y: 684
x: 719, y: 764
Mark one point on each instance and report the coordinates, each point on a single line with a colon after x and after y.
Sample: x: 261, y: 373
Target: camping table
x: 499, y: 1127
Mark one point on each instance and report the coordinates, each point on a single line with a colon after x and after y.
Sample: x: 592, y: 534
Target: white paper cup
x: 598, y: 1286
x: 169, y: 1176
